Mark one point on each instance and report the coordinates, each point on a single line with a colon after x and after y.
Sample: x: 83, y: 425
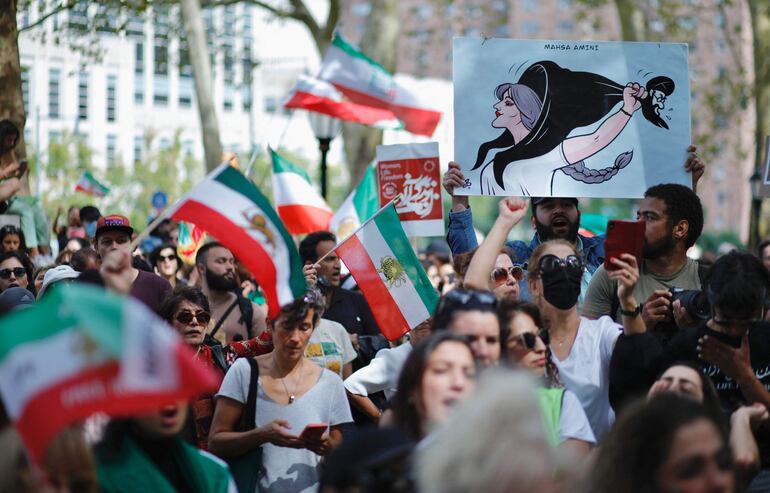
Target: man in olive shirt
x: 673, y: 219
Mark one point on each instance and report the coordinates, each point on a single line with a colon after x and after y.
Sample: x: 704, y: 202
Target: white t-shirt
x: 532, y: 177
x: 586, y: 371
x: 381, y: 374
x: 573, y: 422
x: 330, y: 346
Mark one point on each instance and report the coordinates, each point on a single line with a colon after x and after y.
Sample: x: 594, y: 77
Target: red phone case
x: 623, y: 237
x: 313, y: 431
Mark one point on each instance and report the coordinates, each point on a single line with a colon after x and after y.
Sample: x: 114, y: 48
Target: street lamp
x: 325, y: 128
x: 755, y: 184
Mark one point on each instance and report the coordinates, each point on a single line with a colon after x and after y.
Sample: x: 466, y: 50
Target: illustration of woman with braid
x: 540, y: 111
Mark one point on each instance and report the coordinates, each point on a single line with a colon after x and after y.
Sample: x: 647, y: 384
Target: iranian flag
x: 229, y: 207
x: 300, y: 206
x: 80, y: 351
x: 321, y: 97
x: 360, y: 205
x: 367, y: 83
x: 390, y: 275
x: 89, y: 185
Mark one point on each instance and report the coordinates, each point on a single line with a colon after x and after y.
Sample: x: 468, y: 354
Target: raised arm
x: 460, y: 234
x: 582, y: 147
x: 511, y: 211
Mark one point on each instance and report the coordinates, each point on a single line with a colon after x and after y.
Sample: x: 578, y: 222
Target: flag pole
x: 169, y: 210
x: 358, y: 228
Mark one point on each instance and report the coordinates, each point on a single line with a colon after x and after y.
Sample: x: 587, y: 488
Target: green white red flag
x: 386, y: 268
x: 231, y: 208
x: 366, y: 82
x: 80, y: 351
x: 299, y: 205
x: 360, y: 205
x: 321, y: 97
x: 191, y: 238
x: 89, y: 185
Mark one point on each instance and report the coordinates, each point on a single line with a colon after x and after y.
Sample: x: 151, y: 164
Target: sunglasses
x: 500, y: 274
x: 529, y: 339
x: 550, y: 264
x: 462, y: 297
x: 169, y: 258
x: 201, y: 317
x: 16, y: 271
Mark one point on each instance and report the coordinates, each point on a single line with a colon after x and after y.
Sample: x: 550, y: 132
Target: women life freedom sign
x: 412, y: 170
x: 570, y: 118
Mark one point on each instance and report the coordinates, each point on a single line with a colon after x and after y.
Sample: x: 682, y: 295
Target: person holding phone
x: 732, y: 346
x: 292, y: 393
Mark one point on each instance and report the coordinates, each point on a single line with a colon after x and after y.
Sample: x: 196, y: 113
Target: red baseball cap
x: 114, y: 222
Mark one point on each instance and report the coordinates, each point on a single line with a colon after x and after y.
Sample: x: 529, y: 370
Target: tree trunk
x: 204, y: 90
x: 760, y: 25
x: 631, y: 20
x: 380, y: 42
x: 11, y: 100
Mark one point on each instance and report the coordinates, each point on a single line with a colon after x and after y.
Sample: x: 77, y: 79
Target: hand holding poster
x: 412, y: 170
x: 570, y: 119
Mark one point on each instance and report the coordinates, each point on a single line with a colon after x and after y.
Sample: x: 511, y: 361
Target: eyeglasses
x: 201, y: 317
x: 529, y: 339
x: 550, y: 264
x: 16, y: 271
x: 169, y: 258
x: 500, y: 274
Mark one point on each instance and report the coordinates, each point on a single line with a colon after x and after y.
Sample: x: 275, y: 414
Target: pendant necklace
x: 292, y: 396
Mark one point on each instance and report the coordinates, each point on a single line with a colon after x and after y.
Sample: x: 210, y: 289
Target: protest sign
x: 570, y: 118
x: 412, y: 170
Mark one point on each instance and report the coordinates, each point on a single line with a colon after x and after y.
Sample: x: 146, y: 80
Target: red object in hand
x: 623, y: 237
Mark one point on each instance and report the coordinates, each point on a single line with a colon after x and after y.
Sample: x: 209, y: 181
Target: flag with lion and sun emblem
x: 386, y: 268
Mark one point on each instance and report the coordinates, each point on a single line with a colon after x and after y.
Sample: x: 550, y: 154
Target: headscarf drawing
x: 556, y: 101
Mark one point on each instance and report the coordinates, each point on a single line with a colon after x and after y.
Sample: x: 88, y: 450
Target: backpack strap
x: 223, y: 318
x: 248, y: 418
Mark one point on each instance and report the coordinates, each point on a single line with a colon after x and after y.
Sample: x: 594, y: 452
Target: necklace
x: 292, y: 395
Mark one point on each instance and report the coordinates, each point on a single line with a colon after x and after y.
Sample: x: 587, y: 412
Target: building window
x: 185, y: 67
x: 112, y: 142
x: 135, y: 26
x: 160, y: 41
x: 77, y: 17
x: 25, y: 88
x: 138, y: 148
x: 139, y: 58
x: 227, y: 103
x: 228, y: 60
x: 112, y: 102
x: 187, y: 147
x: 185, y: 92
x: 54, y: 79
x: 83, y: 96
x: 271, y: 104
x: 139, y: 88
x: 160, y: 90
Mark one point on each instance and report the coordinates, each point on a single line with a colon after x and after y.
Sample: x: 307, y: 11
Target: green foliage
x: 131, y: 186
x: 710, y: 242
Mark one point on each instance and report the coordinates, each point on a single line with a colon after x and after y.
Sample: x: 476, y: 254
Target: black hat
x: 540, y: 200
x: 15, y: 298
x: 89, y: 213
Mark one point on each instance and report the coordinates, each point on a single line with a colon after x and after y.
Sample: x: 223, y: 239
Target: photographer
x: 732, y: 346
x: 673, y: 219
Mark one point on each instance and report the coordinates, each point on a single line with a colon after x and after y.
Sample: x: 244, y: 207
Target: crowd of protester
x: 540, y: 370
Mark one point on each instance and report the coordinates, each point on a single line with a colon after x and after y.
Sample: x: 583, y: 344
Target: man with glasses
x: 113, y: 233
x: 732, y: 347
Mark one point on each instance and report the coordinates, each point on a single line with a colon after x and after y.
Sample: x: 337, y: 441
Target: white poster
x: 570, y: 118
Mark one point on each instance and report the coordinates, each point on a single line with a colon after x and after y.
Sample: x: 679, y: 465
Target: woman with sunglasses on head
x: 292, y: 393
x: 16, y: 269
x: 581, y: 348
x: 187, y: 310
x: 525, y: 346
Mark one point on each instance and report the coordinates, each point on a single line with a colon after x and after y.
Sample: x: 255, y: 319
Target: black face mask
x: 561, y: 288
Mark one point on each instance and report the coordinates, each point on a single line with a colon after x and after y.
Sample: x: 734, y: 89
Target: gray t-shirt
x: 602, y: 289
x: 287, y: 469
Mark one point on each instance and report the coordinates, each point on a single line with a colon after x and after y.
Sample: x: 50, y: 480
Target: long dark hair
x: 406, y: 411
x: 635, y: 449
x: 10, y: 229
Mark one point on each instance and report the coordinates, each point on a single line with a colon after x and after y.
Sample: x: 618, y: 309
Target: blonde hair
x: 533, y: 264
x: 494, y: 442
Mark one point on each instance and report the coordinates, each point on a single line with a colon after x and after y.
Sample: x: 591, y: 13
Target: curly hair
x: 682, y: 204
x: 307, y: 247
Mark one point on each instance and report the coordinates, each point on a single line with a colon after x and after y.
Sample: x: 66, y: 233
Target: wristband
x: 632, y: 313
x: 626, y: 112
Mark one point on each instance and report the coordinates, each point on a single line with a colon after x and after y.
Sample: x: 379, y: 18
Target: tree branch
x: 331, y: 19
x: 61, y: 8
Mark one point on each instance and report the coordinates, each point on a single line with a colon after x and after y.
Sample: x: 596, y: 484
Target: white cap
x: 56, y: 274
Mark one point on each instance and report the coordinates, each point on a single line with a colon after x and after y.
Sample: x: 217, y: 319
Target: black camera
x: 694, y: 301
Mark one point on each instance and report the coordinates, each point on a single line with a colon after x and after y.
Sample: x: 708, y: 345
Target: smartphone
x: 623, y: 237
x: 313, y: 432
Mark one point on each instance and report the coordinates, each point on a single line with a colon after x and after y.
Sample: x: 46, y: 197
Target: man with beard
x: 232, y: 315
x: 673, y: 218
x: 113, y: 233
x: 343, y: 306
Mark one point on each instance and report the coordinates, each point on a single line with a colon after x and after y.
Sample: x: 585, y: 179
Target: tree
x: 11, y: 101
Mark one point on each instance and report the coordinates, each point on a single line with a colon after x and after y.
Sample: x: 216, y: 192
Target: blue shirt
x: 462, y: 238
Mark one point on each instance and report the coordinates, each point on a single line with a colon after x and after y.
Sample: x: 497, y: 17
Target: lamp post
x: 755, y: 184
x: 325, y: 128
